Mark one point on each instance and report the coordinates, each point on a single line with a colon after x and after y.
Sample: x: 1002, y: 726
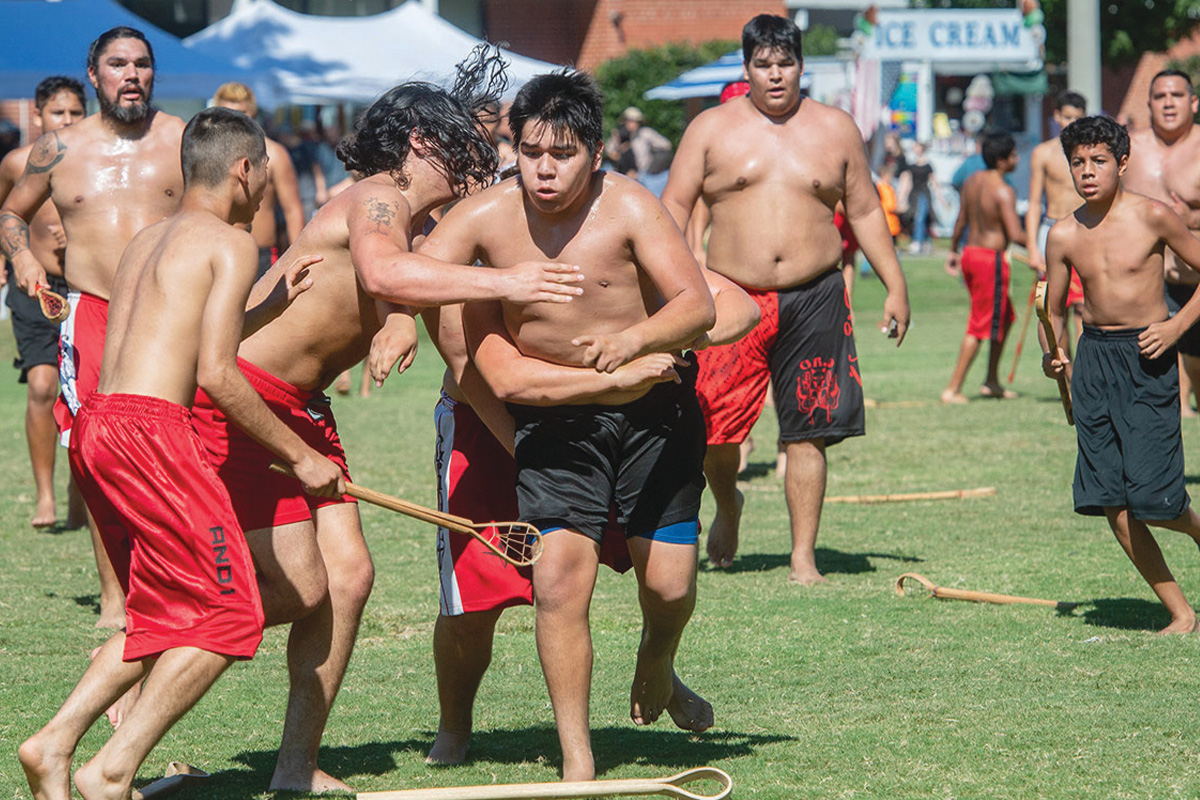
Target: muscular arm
x: 23, y: 201
x: 737, y: 313
x: 1033, y: 217
x: 1007, y: 200
x: 1058, y: 276
x: 686, y: 180
x: 218, y: 375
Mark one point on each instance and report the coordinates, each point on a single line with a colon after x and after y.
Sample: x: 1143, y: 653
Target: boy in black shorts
x: 639, y: 449
x: 1126, y: 381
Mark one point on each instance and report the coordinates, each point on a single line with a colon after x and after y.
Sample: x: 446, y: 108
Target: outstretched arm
x: 686, y: 180
x: 22, y: 203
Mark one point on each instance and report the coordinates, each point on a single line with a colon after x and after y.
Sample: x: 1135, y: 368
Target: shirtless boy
x: 193, y: 606
x: 282, y: 186
x: 772, y: 167
x: 60, y: 102
x: 1050, y: 176
x: 418, y: 147
x: 109, y: 176
x: 644, y: 294
x: 1125, y: 382
x: 989, y: 211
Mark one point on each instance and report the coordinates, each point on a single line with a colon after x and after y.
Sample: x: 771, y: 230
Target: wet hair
x: 567, y: 100
x: 996, y: 146
x: 1072, y: 99
x: 772, y: 32
x: 216, y: 138
x: 1095, y: 130
x: 449, y: 121
x: 234, y: 92
x: 1174, y: 73
x: 111, y: 35
x: 55, y: 84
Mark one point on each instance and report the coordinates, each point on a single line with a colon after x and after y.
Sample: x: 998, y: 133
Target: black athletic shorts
x: 37, y: 337
x: 1127, y: 424
x: 644, y: 459
x: 1177, y: 295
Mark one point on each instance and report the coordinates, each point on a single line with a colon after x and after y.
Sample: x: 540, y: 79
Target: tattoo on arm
x: 14, y: 234
x: 45, y: 154
x: 381, y: 213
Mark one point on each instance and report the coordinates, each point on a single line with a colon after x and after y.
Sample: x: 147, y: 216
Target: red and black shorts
x: 805, y: 344
x: 985, y: 272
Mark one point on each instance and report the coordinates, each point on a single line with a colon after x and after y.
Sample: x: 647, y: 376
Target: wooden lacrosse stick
x: 518, y: 543
x: 54, y: 306
x: 1024, y: 330
x: 175, y: 778
x: 943, y: 593
x: 566, y: 790
x: 1064, y: 387
x: 950, y: 494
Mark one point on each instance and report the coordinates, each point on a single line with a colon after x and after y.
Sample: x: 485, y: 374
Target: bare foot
x: 997, y: 392
x: 1187, y: 412
x: 954, y: 398
x: 1185, y: 625
x: 653, y: 686
x: 342, y: 386
x: 117, y: 712
x: 92, y: 785
x: 48, y: 771
x: 744, y: 451
x: 43, y: 515
x: 723, y: 535
x: 689, y: 711
x: 805, y: 574
x: 317, y: 782
x: 449, y: 748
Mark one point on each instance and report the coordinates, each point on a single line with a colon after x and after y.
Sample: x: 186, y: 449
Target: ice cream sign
x: 951, y: 35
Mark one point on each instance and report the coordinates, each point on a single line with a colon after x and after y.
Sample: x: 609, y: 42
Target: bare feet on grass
x: 449, y: 748
x: 653, y: 686
x: 43, y: 515
x: 1183, y: 625
x: 723, y: 535
x: 117, y: 712
x: 47, y: 768
x: 954, y: 398
x: 804, y: 573
x: 313, y: 781
x: 689, y: 711
x: 997, y: 392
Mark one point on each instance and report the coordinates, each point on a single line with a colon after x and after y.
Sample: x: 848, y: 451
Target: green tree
x: 625, y: 79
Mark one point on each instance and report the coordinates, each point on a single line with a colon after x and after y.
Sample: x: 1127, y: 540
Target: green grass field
x: 838, y: 691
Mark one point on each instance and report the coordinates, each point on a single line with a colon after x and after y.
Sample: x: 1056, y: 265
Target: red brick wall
x: 589, y: 32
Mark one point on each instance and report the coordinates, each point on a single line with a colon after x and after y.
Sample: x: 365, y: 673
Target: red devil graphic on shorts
x: 817, y: 388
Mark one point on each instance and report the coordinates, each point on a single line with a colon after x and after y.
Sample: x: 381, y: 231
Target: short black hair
x: 1072, y: 99
x: 1093, y: 131
x: 216, y: 138
x: 772, y: 32
x: 997, y: 145
x: 567, y: 100
x: 55, y: 84
x: 1174, y: 73
x: 111, y: 35
x: 450, y: 121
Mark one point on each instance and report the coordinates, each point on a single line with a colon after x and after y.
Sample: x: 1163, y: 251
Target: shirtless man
x: 282, y: 187
x: 418, y: 147
x: 1164, y: 163
x: 989, y: 212
x: 194, y: 608
x: 645, y: 294
x: 60, y: 102
x: 772, y: 167
x: 109, y: 176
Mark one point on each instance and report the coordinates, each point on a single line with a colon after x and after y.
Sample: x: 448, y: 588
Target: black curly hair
x: 1088, y: 131
x: 567, y: 100
x: 451, y: 121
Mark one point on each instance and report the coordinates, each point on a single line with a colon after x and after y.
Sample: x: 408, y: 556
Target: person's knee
x: 670, y: 592
x: 351, y: 580
x: 42, y: 386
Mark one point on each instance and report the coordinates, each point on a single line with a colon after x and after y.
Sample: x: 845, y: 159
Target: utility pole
x: 1083, y: 51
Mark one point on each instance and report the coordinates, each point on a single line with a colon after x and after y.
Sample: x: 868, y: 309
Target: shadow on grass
x: 1191, y: 479
x: 1127, y: 613
x: 829, y: 562
x: 91, y: 601
x: 666, y: 750
x: 756, y: 469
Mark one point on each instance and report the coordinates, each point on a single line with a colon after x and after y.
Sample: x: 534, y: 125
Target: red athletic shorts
x: 168, y: 528
x: 986, y: 274
x: 80, y: 351
x: 477, y: 479
x: 261, y: 497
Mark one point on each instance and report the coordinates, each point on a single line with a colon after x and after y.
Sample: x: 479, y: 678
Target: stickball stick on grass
x: 949, y: 494
x: 942, y: 593
x: 566, y: 790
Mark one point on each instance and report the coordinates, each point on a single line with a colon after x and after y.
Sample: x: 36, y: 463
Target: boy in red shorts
x: 1125, y: 384
x: 166, y: 521
x: 989, y: 211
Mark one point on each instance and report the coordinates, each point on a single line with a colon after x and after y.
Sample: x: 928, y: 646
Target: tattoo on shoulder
x: 380, y: 212
x: 47, y: 151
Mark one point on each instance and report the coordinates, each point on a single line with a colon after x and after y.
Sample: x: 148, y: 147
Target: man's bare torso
x: 772, y: 188
x: 1061, y: 197
x: 1165, y: 172
x: 44, y: 243
x: 982, y: 198
x: 107, y: 189
x: 328, y: 328
x: 1119, y: 261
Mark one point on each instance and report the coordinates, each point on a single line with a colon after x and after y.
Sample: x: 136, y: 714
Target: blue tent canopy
x: 51, y: 37
x: 706, y: 81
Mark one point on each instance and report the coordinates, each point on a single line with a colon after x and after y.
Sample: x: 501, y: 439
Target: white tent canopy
x: 319, y: 59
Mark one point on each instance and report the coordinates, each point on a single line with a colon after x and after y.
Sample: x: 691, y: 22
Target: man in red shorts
x: 167, y: 523
x: 989, y: 213
x: 772, y: 167
x: 363, y: 236
x: 109, y: 176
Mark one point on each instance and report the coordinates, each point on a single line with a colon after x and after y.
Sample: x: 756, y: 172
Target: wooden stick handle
x: 944, y: 593
x: 1064, y: 388
x: 950, y: 494
x: 570, y: 790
